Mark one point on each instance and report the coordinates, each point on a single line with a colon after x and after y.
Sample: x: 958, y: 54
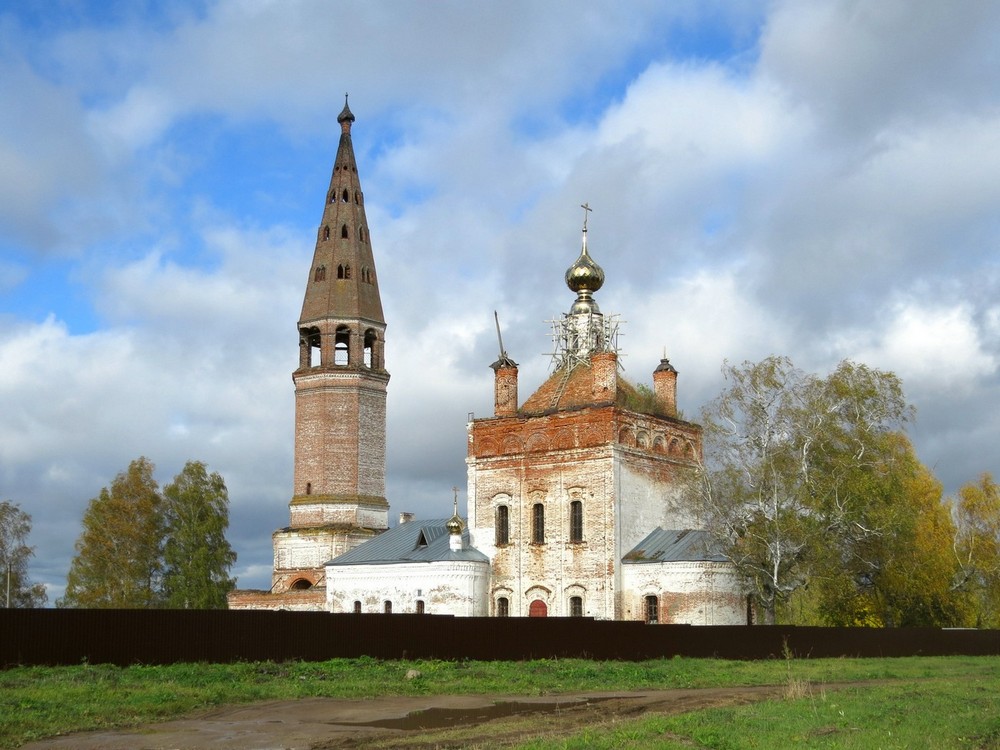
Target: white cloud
x: 930, y: 346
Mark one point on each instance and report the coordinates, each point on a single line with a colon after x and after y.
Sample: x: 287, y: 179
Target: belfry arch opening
x: 341, y: 346
x: 301, y: 585
x: 371, y: 349
x: 309, y: 348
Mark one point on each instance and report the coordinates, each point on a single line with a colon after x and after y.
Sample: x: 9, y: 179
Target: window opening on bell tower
x: 309, y: 348
x: 370, y: 355
x: 341, y: 346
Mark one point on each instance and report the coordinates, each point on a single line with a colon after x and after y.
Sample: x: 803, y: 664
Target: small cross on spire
x: 586, y: 211
x: 455, y: 490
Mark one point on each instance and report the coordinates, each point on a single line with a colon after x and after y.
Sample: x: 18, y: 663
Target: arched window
x: 503, y: 607
x: 347, y: 270
x: 333, y: 195
x: 341, y: 346
x: 301, y: 585
x: 388, y: 607
x: 361, y: 233
x: 538, y: 523
x: 309, y: 488
x: 576, y: 521
x: 343, y: 232
x: 344, y: 196
x: 340, y: 271
x: 503, y: 525
x: 320, y: 274
x: 420, y: 606
x: 576, y: 606
x: 652, y: 610
x: 357, y: 607
x: 357, y: 198
x: 326, y: 232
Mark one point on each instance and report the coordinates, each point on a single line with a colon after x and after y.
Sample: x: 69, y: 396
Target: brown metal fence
x: 72, y: 636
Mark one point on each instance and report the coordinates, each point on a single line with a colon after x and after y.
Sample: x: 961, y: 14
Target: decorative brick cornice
x: 370, y: 501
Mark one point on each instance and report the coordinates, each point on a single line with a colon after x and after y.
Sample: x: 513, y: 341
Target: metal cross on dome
x: 586, y: 211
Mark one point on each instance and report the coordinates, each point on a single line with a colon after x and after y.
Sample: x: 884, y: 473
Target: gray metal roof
x: 673, y: 545
x: 415, y: 541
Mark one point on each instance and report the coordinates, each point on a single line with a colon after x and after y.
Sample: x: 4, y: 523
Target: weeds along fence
x: 72, y: 636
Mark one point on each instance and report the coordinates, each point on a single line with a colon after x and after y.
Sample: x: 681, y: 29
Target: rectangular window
x: 538, y: 523
x: 652, y: 610
x: 357, y: 608
x: 503, y: 525
x: 576, y: 521
x: 388, y: 607
x: 420, y: 606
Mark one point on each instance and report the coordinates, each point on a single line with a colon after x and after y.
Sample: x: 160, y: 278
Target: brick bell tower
x: 340, y: 390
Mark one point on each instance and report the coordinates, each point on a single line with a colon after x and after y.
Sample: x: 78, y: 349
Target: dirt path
x: 439, y: 721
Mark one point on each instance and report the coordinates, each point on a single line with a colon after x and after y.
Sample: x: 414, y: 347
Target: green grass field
x: 932, y: 702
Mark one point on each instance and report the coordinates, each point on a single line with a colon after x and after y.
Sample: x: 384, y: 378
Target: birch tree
x: 977, y: 548
x: 196, y: 555
x: 793, y: 463
x: 15, y: 588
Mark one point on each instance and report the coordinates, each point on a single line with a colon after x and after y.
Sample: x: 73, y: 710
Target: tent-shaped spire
x: 342, y: 281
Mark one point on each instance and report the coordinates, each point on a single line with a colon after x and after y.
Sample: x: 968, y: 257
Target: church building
x: 575, y: 502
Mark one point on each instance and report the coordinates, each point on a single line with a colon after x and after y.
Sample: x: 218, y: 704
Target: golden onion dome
x: 584, y: 275
x: 454, y: 525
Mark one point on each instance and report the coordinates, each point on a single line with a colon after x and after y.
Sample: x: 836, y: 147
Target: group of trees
x: 141, y: 547
x: 16, y: 591
x: 817, y: 497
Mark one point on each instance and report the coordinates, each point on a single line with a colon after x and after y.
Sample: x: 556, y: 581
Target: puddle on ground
x: 438, y: 718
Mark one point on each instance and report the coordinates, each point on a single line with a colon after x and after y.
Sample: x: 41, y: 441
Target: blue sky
x: 819, y: 180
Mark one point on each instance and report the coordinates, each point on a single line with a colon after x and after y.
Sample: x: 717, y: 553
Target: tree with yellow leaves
x: 977, y: 548
x: 118, y: 554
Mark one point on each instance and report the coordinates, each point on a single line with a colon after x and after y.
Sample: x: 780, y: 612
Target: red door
x: 538, y: 609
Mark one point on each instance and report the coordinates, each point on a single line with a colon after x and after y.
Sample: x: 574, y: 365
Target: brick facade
x: 622, y: 467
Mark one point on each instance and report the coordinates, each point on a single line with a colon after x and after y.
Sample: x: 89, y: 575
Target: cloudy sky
x: 816, y: 179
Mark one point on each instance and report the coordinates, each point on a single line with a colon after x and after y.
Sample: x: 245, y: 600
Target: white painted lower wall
x: 688, y: 593
x: 458, y: 588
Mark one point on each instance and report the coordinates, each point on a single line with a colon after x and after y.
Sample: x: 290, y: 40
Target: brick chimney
x: 665, y: 387
x: 505, y: 387
x: 605, y: 367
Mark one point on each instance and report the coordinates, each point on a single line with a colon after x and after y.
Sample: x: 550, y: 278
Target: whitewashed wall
x: 457, y: 588
x: 689, y: 593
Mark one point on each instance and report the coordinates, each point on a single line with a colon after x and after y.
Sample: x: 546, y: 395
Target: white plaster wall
x: 310, y: 549
x: 458, y: 588
x: 322, y: 513
x: 690, y: 593
x: 647, y: 501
